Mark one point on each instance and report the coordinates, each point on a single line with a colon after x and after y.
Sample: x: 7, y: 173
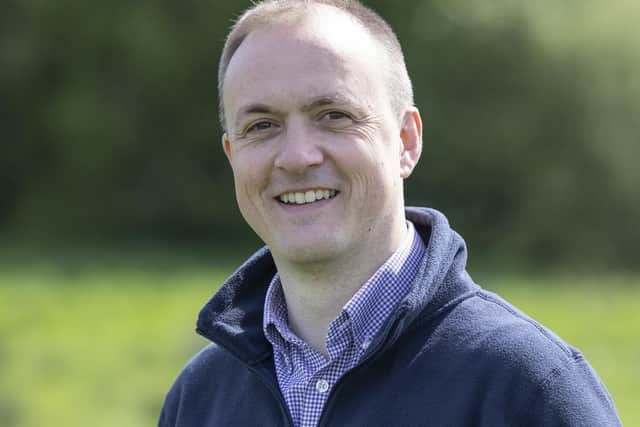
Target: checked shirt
x: 304, y: 375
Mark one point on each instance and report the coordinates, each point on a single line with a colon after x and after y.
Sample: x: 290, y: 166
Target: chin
x: 307, y: 253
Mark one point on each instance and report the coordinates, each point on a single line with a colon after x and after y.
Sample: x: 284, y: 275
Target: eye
x: 335, y: 115
x: 335, y: 119
x: 260, y: 126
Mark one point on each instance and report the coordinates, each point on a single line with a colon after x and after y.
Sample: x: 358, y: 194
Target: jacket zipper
x: 275, y: 391
x: 373, y: 356
x: 374, y: 353
x: 265, y: 379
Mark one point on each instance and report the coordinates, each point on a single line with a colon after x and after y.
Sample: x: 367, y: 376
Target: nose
x: 298, y: 150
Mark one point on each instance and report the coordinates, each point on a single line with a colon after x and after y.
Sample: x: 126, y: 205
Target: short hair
x: 266, y: 12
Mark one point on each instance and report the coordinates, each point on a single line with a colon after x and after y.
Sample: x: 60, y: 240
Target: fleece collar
x: 233, y: 316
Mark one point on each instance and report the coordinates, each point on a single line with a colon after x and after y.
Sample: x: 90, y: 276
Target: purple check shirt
x: 305, y: 376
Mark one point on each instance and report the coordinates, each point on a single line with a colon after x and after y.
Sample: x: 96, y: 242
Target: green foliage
x: 101, y: 347
x: 96, y: 349
x: 109, y: 122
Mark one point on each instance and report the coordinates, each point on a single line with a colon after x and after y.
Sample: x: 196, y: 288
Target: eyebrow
x: 256, y: 109
x: 320, y: 101
x: 324, y: 100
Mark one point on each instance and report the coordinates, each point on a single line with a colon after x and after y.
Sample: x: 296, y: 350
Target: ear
x: 411, y: 137
x: 226, y: 146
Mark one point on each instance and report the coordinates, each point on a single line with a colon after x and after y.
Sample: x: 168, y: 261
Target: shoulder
x: 496, y: 328
x: 216, y: 388
x: 506, y: 343
x: 199, y: 379
x: 542, y: 377
x: 210, y: 367
x: 210, y: 357
x: 485, y: 322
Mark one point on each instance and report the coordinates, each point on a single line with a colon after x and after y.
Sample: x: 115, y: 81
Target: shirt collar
x: 367, y: 310
x: 379, y: 297
x: 275, y: 322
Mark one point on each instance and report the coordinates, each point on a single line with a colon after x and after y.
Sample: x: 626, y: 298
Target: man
x: 357, y: 312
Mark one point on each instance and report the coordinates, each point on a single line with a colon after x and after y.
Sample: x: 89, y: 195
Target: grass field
x: 100, y: 347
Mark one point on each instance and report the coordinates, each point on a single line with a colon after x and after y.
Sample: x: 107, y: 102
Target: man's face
x: 317, y: 154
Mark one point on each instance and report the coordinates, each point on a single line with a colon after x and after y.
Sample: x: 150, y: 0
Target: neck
x: 315, y: 293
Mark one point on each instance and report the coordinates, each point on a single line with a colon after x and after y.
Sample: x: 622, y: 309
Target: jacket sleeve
x: 571, y: 395
x: 169, y: 408
x: 162, y: 421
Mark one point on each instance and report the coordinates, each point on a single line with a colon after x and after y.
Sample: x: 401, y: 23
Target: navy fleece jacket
x: 453, y: 354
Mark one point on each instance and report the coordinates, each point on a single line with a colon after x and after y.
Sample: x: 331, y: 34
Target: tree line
x: 531, y: 113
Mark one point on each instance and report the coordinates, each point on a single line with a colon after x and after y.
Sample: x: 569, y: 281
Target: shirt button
x: 322, y: 386
x: 365, y: 344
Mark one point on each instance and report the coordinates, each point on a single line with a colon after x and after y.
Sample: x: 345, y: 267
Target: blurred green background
x: 118, y: 219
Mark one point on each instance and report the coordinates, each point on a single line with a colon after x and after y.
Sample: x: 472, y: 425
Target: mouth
x: 307, y: 196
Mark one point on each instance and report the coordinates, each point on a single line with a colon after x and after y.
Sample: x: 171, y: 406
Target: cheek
x: 246, y: 182
x: 376, y: 161
x: 248, y: 189
x: 368, y: 173
x: 375, y: 175
x: 250, y: 168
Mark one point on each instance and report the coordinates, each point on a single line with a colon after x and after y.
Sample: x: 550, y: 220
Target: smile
x: 309, y: 196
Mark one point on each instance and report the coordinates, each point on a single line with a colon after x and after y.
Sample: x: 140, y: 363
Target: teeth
x: 309, y: 196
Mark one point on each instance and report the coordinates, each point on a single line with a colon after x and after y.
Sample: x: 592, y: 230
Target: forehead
x: 323, y: 52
